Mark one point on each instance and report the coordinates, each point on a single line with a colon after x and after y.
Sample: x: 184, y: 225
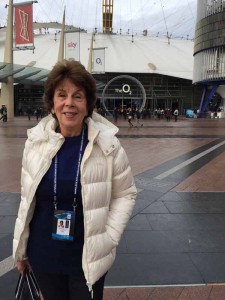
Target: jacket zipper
x: 39, y: 177
x: 89, y: 285
x: 85, y: 235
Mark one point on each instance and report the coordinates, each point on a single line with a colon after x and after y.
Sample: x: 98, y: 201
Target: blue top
x: 46, y: 254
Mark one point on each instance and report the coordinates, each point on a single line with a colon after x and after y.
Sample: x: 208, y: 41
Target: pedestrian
x: 159, y: 113
x: 138, y: 116
x: 115, y: 114
x: 41, y: 112
x: 195, y: 112
x: 176, y: 113
x: 129, y: 118
x: 167, y: 114
x: 75, y: 170
x: 3, y: 111
x: 29, y: 112
x: 37, y: 113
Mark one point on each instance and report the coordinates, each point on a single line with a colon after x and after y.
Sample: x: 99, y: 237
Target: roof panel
x: 9, y: 70
x: 27, y: 72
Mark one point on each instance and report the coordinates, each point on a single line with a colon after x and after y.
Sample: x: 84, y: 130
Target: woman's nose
x: 69, y: 101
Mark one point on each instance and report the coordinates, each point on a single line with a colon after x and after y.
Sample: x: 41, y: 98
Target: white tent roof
x: 144, y: 55
x: 147, y: 55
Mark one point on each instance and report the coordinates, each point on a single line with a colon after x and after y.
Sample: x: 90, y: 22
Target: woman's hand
x: 22, y: 264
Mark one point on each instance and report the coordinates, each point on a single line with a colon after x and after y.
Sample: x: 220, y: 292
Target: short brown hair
x: 78, y: 75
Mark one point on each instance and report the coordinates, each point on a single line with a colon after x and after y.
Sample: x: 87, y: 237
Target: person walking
x: 115, y: 114
x: 159, y: 113
x: 138, y: 117
x: 4, y: 116
x: 37, y: 113
x: 167, y: 114
x: 195, y: 112
x: 176, y: 113
x: 129, y: 118
x: 29, y: 112
x: 75, y: 170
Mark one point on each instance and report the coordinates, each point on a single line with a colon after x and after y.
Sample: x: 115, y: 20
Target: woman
x: 75, y: 169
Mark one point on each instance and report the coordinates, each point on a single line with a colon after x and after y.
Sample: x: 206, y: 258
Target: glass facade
x: 209, y: 48
x: 161, y: 91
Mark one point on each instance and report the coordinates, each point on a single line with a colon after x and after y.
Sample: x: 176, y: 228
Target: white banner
x: 72, y: 45
x: 99, y: 60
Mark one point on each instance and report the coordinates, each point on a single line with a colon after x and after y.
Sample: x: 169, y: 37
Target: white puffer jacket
x: 108, y: 190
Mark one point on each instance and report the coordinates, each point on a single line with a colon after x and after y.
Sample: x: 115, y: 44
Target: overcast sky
x: 177, y: 17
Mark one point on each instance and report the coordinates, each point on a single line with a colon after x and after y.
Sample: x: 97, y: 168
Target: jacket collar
x: 44, y: 130
x: 100, y: 130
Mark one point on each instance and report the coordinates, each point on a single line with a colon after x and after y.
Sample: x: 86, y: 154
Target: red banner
x: 24, y: 25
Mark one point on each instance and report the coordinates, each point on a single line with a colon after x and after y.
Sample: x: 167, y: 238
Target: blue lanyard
x: 76, y: 177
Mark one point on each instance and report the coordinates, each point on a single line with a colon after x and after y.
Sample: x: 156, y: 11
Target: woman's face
x: 70, y: 107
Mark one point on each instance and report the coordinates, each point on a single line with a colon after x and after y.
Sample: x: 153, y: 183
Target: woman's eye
x: 78, y: 97
x: 61, y: 95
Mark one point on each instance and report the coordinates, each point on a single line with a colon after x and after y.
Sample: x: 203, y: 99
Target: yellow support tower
x: 107, y: 15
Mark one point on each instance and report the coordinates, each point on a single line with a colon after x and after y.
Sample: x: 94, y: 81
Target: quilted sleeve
x: 123, y: 195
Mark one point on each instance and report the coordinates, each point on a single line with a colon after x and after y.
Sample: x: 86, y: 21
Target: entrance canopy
x: 27, y: 75
x: 23, y: 74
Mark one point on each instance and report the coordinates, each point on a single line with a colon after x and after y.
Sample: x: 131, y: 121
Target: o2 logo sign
x: 125, y: 89
x: 98, y: 61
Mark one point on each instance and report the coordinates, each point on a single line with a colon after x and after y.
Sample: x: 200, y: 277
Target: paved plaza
x: 174, y: 245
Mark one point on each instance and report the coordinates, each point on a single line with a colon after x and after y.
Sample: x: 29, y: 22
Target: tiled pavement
x: 174, y: 245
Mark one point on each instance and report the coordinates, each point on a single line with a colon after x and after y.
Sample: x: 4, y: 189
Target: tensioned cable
x: 142, y: 12
x: 131, y: 19
x: 164, y: 18
x: 76, y: 17
x: 70, y: 13
x: 180, y: 20
x: 56, y: 11
x: 43, y: 12
x: 120, y: 16
x: 116, y: 16
x: 183, y: 20
x: 191, y: 10
x: 96, y: 14
x: 128, y: 13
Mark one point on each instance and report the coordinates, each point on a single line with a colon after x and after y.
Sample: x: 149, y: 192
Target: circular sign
x: 126, y: 77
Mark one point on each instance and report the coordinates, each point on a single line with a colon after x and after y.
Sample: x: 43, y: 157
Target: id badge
x: 63, y: 225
